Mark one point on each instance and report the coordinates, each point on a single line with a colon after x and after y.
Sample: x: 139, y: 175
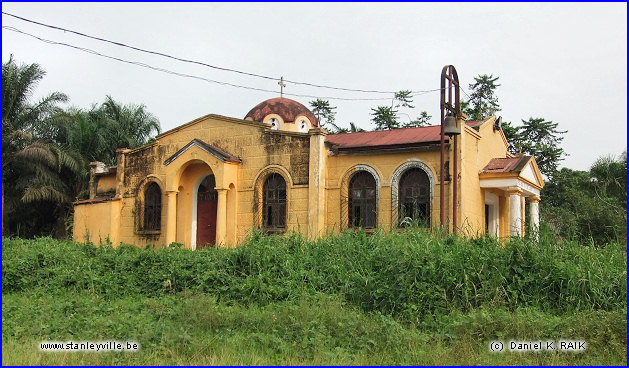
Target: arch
x: 344, y: 191
x: 151, y: 178
x: 267, y: 170
x: 398, y: 174
x: 156, y: 205
x: 152, y: 220
x: 274, y: 202
x: 258, y: 193
x: 174, y: 181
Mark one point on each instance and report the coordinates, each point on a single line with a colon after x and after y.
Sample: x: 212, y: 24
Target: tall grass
x: 411, y: 273
x: 196, y: 329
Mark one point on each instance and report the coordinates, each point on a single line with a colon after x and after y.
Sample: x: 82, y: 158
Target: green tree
x: 404, y: 98
x: 323, y: 111
x: 482, y: 102
x: 353, y: 128
x: 422, y: 120
x: 511, y: 133
x: 589, y: 206
x: 385, y: 118
x: 46, y: 150
x: 35, y: 170
x: 539, y: 138
x: 609, y: 181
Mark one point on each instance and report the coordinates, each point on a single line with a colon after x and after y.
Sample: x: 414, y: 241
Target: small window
x: 274, y: 203
x: 304, y: 126
x: 152, y: 207
x: 414, y: 197
x: 362, y: 201
x: 275, y: 123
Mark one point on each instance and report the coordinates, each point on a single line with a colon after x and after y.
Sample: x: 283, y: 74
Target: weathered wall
x: 106, y: 185
x: 262, y: 153
x: 257, y: 147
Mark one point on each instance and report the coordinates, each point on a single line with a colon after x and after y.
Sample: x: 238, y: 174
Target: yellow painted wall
x: 263, y: 152
x: 106, y: 183
x: 93, y: 221
x: 339, y: 168
x: 477, y: 149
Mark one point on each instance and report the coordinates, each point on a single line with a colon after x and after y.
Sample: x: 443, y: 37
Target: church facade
x: 211, y: 181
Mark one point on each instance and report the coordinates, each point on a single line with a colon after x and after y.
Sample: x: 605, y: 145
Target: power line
x: 197, y: 77
x: 201, y: 63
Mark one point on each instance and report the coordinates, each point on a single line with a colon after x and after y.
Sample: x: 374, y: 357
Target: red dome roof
x: 288, y: 109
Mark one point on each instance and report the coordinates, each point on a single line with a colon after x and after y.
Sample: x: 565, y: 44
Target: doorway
x: 207, y: 199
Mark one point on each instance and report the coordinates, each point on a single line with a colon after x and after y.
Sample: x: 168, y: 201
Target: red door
x: 206, y: 213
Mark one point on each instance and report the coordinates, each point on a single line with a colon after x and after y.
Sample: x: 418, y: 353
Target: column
x: 534, y: 215
x: 221, y: 216
x: 515, y: 213
x: 171, y: 219
x: 316, y: 183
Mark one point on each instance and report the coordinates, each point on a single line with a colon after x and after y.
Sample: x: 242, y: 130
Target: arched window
x: 152, y: 207
x: 414, y: 197
x: 274, y: 202
x: 362, y: 201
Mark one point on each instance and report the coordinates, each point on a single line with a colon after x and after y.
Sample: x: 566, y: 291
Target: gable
x: 213, y: 150
x: 531, y: 173
x: 528, y: 174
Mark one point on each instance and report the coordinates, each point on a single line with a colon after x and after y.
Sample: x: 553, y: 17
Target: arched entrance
x: 207, y: 201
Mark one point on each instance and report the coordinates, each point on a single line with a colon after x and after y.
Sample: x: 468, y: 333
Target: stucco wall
x: 477, y: 149
x: 92, y: 221
x: 341, y: 167
x: 263, y: 152
x: 257, y: 147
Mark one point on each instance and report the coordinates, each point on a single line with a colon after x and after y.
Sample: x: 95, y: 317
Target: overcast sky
x: 563, y: 62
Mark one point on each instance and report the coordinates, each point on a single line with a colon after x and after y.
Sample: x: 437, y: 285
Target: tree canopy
x: 323, y: 111
x: 46, y: 149
x: 589, y: 206
x: 540, y: 138
x: 387, y: 117
x: 483, y: 101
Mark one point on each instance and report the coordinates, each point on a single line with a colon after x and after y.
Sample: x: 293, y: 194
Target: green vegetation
x: 400, y: 298
x: 589, y: 206
x: 46, y: 150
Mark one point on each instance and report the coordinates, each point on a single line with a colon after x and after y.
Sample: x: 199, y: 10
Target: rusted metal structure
x: 450, y: 112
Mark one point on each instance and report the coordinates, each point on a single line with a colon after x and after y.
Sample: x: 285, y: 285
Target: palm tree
x: 32, y: 162
x: 125, y: 126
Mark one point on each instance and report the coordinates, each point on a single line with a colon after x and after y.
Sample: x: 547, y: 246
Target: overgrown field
x: 400, y: 298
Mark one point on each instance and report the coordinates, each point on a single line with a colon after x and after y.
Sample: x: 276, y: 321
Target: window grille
x: 414, y: 197
x: 362, y: 201
x: 274, y: 202
x: 152, y: 207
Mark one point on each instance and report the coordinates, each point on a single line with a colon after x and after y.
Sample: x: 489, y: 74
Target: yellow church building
x: 211, y: 181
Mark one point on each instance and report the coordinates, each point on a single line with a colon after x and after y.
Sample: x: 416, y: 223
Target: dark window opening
x: 152, y: 207
x: 414, y: 198
x: 207, y: 191
x: 274, y: 202
x: 362, y: 201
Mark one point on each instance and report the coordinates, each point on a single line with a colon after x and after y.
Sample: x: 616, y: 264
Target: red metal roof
x: 288, y: 109
x: 387, y: 138
x: 506, y: 165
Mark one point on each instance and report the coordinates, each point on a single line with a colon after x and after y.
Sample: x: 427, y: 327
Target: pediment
x: 217, y: 152
x: 531, y: 173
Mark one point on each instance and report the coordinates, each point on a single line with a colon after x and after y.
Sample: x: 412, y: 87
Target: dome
x: 286, y: 108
